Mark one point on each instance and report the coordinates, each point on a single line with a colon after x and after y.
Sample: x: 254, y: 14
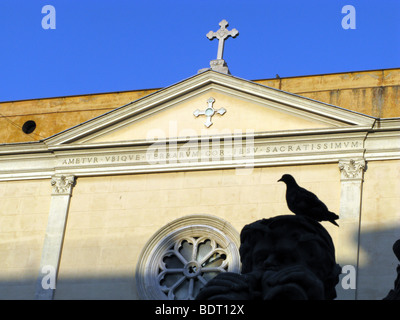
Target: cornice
x: 296, y: 147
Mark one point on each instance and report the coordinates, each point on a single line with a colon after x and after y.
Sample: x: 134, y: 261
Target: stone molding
x: 74, y: 152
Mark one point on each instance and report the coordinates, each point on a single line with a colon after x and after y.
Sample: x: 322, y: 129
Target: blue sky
x: 119, y: 45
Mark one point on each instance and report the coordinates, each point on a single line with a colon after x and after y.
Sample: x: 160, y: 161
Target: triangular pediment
x: 236, y: 106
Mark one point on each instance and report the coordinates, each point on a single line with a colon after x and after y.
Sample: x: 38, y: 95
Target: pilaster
x: 52, y: 246
x: 352, y: 177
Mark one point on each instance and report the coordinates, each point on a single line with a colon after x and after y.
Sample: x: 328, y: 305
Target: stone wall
x: 112, y: 218
x: 24, y: 209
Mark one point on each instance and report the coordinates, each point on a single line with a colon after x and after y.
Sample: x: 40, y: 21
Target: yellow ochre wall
x: 24, y: 210
x: 111, y: 218
x: 374, y: 93
x: 379, y: 229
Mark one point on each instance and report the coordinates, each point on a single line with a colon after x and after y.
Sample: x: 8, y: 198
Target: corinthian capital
x: 352, y: 169
x: 62, y: 185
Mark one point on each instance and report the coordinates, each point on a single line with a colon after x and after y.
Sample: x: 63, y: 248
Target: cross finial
x: 222, y: 34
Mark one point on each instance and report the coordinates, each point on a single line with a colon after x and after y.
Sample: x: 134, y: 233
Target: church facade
x: 146, y: 199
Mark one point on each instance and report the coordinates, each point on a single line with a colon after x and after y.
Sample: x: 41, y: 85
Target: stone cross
x: 222, y: 34
x: 209, y: 112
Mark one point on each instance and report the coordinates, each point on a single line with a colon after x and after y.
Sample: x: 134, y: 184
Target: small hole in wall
x: 29, y: 126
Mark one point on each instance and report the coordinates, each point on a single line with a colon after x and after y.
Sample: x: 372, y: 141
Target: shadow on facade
x: 377, y: 266
x: 101, y: 288
x: 375, y: 277
x: 87, y: 288
x: 378, y: 263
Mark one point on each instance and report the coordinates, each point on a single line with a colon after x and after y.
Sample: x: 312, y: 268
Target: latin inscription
x: 172, y: 154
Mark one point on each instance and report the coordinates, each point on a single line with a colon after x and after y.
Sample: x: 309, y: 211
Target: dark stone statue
x: 394, y: 294
x: 283, y: 258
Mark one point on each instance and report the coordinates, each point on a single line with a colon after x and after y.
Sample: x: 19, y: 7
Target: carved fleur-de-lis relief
x: 62, y: 185
x: 352, y: 169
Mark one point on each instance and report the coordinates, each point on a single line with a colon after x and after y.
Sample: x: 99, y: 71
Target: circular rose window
x: 184, y: 255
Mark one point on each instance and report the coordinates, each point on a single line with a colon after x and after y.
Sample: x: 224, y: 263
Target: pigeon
x: 305, y: 203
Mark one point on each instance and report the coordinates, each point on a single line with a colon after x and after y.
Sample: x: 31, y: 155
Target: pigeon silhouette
x: 305, y: 203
